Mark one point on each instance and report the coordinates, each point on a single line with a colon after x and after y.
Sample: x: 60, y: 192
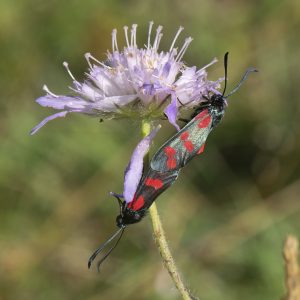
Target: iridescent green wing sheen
x: 184, y: 145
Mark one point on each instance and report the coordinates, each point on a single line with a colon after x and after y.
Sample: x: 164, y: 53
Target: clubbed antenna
x: 248, y: 71
x: 102, y: 247
x: 225, y: 70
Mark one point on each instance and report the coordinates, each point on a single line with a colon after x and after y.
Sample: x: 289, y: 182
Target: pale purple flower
x: 134, y: 82
x: 134, y: 170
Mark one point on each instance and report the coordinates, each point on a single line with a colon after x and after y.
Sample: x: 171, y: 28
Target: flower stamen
x: 149, y: 34
x: 208, y: 65
x: 66, y: 65
x: 159, y: 38
x: 88, y: 56
x: 45, y: 88
x: 176, y: 37
x: 114, y: 41
x: 126, y: 35
x: 133, y: 36
x: 155, y: 44
x: 184, y: 48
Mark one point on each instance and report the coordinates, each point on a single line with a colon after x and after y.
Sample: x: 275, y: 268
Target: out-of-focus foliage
x: 229, y: 212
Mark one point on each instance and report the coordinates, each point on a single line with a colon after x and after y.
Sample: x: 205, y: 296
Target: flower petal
x: 133, y: 172
x: 110, y: 104
x: 62, y: 102
x: 57, y: 115
x: 171, y: 111
x: 143, y: 76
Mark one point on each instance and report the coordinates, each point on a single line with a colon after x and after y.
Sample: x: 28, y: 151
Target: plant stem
x: 292, y: 276
x: 160, y: 238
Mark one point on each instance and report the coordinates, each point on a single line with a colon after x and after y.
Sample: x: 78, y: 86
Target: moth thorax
x: 129, y: 216
x: 217, y: 108
x: 218, y: 101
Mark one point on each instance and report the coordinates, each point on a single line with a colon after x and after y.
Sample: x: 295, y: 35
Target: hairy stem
x: 160, y: 238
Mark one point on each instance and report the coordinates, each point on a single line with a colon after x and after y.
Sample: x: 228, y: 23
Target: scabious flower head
x: 134, y: 82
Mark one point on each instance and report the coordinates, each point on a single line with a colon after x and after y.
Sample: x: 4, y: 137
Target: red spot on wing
x: 202, y: 114
x: 201, y: 149
x: 137, y: 204
x: 204, y: 122
x: 170, y: 151
x: 171, y: 161
x: 184, y: 135
x: 155, y: 183
x: 188, y: 146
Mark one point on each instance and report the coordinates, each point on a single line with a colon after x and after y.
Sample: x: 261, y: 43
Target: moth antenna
x: 110, y: 250
x: 248, y: 71
x: 102, y: 246
x: 118, y: 196
x: 225, y: 71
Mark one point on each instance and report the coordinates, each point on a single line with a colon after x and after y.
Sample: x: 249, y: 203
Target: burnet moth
x: 140, y: 191
x: 190, y: 140
x: 151, y: 186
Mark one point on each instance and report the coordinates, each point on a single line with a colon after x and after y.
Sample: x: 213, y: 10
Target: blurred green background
x: 228, y: 214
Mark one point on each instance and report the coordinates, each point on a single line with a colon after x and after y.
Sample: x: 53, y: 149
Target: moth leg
x: 115, y: 195
x: 118, y: 196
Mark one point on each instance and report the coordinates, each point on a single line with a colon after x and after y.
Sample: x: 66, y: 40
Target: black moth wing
x: 151, y: 186
x: 184, y: 145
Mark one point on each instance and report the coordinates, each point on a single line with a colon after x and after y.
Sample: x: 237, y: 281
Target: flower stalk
x: 292, y: 270
x: 160, y: 237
